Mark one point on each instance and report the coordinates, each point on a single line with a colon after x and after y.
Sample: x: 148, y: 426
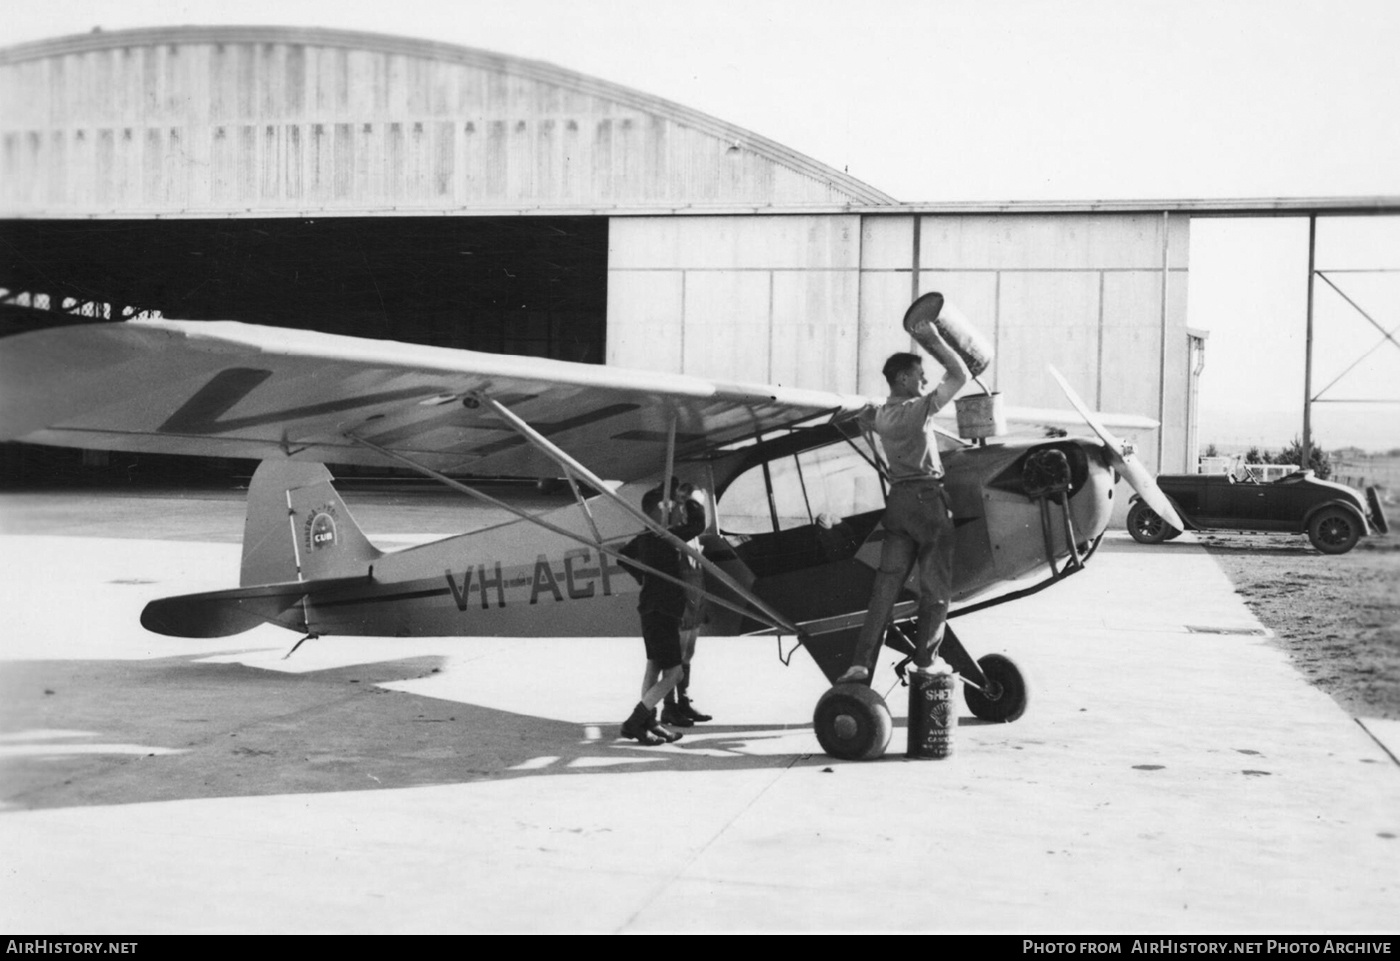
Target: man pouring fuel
x: 918, y: 520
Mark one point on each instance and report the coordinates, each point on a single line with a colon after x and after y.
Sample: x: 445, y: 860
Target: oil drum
x: 931, y: 715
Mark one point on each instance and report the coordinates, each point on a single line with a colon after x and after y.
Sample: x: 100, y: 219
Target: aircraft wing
x: 1073, y: 421
x: 221, y: 388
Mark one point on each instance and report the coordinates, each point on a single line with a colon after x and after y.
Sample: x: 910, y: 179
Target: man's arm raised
x: 954, y: 370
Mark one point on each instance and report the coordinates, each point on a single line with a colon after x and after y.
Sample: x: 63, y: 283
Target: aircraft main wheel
x: 1146, y: 526
x: 1006, y: 695
x: 1334, y: 531
x: 853, y: 723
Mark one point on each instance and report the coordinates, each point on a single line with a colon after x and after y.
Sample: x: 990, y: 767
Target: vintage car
x: 1333, y: 516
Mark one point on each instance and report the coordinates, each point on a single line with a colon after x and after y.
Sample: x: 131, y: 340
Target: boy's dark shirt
x: 661, y: 596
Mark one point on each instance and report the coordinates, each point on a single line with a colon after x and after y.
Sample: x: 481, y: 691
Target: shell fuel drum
x: 931, y: 715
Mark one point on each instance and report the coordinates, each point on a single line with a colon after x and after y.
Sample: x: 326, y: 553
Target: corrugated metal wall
x: 198, y: 121
x: 816, y: 301
x: 755, y: 299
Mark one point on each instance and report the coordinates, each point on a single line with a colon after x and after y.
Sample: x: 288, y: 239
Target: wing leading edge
x: 221, y: 388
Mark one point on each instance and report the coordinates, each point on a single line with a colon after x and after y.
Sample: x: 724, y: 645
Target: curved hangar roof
x: 260, y: 121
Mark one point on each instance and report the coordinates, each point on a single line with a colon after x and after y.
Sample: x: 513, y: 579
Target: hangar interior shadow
x: 533, y: 286
x: 243, y: 732
x: 521, y: 285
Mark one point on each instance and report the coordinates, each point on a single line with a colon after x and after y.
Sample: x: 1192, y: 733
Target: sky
x: 946, y: 100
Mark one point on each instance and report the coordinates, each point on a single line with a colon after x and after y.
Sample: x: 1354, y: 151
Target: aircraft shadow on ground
x: 77, y: 733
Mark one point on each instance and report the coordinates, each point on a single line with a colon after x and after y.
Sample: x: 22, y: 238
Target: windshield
x: 820, y: 486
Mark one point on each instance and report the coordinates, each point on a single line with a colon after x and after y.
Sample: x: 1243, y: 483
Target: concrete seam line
x: 706, y: 846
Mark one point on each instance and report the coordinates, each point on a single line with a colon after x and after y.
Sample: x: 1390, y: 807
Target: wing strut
x: 670, y: 466
x: 758, y: 611
x: 573, y: 467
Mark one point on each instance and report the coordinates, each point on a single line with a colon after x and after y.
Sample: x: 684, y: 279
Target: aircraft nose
x: 1123, y: 460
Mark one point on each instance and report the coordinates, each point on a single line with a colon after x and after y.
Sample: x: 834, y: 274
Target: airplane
x: 793, y: 486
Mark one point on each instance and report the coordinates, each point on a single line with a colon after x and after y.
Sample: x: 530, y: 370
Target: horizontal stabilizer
x: 223, y: 613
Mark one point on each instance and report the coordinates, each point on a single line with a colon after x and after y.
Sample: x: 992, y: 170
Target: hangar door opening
x: 519, y: 285
x: 535, y: 286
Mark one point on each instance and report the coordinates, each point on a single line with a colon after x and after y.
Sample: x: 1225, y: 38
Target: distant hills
x: 1371, y: 427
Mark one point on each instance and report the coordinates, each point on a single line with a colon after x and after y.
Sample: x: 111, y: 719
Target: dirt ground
x: 1338, y: 617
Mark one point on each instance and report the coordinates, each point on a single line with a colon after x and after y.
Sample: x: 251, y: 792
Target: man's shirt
x: 906, y: 432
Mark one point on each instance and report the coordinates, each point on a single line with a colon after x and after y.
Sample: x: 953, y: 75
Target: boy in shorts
x: 661, y: 605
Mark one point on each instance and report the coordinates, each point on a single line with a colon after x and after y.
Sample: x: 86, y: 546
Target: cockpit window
x: 835, y: 481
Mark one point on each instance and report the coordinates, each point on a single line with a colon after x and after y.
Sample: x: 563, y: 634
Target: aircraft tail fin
x: 298, y: 529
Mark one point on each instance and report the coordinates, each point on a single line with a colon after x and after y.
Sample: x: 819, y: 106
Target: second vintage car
x: 1333, y: 516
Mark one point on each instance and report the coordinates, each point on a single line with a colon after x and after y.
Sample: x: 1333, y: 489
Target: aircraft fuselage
x: 519, y: 579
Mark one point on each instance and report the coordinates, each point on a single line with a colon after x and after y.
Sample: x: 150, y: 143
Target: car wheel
x: 1146, y: 526
x: 1006, y: 695
x: 853, y: 723
x: 1334, y: 531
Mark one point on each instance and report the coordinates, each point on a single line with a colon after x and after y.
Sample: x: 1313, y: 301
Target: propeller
x: 1124, y: 460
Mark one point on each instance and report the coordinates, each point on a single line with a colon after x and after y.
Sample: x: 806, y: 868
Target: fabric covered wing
x: 221, y: 388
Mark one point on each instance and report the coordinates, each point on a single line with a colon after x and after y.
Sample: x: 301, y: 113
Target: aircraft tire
x: 853, y: 723
x: 1145, y: 526
x: 1334, y: 531
x: 1009, y: 695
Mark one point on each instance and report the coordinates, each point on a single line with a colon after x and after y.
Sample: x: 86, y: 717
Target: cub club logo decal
x: 320, y: 528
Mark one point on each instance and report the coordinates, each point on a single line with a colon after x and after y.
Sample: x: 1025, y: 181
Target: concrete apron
x: 1163, y: 780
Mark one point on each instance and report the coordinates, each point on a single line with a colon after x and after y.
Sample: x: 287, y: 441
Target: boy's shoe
x: 688, y: 709
x: 855, y: 674
x: 638, y: 727
x: 672, y: 713
x: 665, y: 733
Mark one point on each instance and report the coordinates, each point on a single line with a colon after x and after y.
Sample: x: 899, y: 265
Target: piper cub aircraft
x: 794, y: 488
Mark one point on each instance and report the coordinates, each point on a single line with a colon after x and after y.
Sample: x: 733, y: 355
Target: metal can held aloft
x: 965, y: 340
x: 931, y: 715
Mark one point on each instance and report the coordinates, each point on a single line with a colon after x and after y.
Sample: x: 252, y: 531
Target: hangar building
x: 417, y: 191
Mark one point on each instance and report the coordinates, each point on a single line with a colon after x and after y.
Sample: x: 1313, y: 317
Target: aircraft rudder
x: 298, y: 528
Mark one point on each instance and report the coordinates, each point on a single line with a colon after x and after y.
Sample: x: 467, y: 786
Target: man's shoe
x: 688, y: 709
x: 638, y: 727
x: 674, y: 714
x: 855, y: 674
x: 658, y: 730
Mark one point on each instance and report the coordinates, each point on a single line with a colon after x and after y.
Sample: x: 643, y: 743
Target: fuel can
x: 966, y: 340
x: 931, y: 717
x: 980, y: 415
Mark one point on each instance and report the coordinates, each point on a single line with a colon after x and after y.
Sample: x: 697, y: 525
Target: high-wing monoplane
x: 795, y: 487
